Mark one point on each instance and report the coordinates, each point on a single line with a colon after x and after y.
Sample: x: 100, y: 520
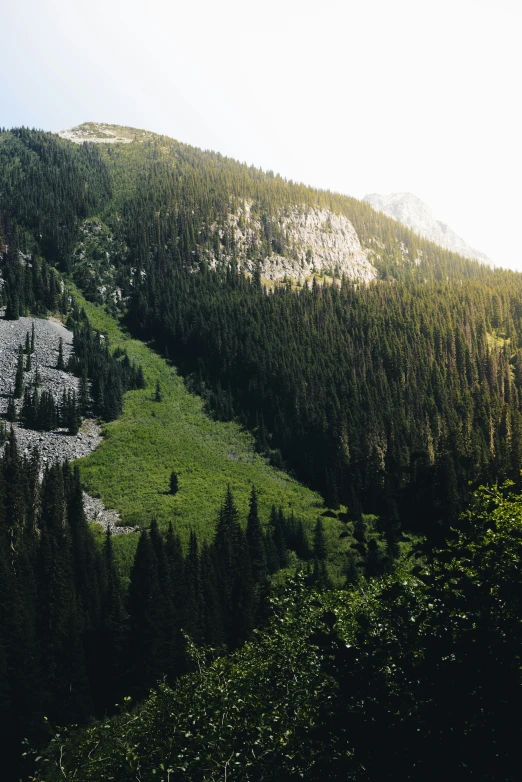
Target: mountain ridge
x: 414, y: 213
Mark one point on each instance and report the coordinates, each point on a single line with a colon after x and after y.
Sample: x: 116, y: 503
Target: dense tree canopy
x: 396, y: 392
x: 411, y: 677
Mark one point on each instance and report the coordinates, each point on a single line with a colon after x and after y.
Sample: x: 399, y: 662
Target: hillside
x: 131, y: 467
x: 157, y: 195
x: 337, y: 382
x: 298, y: 398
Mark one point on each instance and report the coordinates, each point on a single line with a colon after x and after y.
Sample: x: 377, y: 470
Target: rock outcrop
x: 99, y: 133
x: 305, y: 242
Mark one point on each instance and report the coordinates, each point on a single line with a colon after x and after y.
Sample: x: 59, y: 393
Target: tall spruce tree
x: 145, y: 645
x: 19, y: 376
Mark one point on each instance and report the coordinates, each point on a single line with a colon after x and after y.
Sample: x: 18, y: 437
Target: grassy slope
x: 130, y: 470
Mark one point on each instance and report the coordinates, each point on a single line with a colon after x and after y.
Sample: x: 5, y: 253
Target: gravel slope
x: 54, y: 446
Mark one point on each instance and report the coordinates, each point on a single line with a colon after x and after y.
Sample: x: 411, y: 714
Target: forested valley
x: 264, y: 650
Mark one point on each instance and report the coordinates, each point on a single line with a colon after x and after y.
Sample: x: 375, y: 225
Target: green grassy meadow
x: 130, y: 470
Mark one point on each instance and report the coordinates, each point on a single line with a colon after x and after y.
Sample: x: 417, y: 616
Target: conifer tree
x: 319, y: 541
x: 171, y: 636
x: 175, y: 568
x: 174, y: 482
x: 279, y: 537
x: 140, y: 378
x: 19, y: 377
x: 27, y: 413
x: 256, y: 542
x: 60, y: 364
x: 234, y: 574
x: 192, y: 620
x: 111, y: 664
x: 145, y: 641
x: 11, y: 410
x: 211, y: 616
x: 84, y: 393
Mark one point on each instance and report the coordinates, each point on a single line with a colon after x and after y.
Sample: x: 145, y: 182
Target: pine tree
x: 174, y: 482
x: 84, y: 393
x: 192, y: 619
x: 111, y: 667
x: 146, y: 640
x: 27, y: 413
x: 60, y: 364
x: 331, y: 496
x: 19, y: 377
x: 234, y: 573
x: 319, y: 541
x: 140, y: 378
x: 256, y: 542
x: 11, y: 410
x: 171, y: 636
x: 277, y: 523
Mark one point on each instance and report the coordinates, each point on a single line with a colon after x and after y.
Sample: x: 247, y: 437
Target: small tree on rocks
x: 60, y: 363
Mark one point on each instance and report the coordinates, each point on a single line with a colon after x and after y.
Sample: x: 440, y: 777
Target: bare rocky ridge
x: 409, y: 210
x: 56, y: 446
x: 99, y: 133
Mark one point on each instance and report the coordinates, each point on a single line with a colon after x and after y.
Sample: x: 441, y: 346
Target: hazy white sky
x: 358, y: 97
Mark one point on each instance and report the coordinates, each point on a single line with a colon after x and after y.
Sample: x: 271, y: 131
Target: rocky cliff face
x: 305, y: 242
x: 415, y: 214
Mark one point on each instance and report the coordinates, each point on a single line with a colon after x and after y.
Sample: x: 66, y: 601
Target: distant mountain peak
x: 412, y: 212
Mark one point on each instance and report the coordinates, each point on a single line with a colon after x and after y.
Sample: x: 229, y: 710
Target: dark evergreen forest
x: 394, y: 394
x: 75, y: 640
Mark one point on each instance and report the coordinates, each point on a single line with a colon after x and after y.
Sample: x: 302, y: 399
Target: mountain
x: 228, y: 325
x: 306, y: 241
x: 244, y: 215
x: 341, y: 374
x: 414, y: 213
